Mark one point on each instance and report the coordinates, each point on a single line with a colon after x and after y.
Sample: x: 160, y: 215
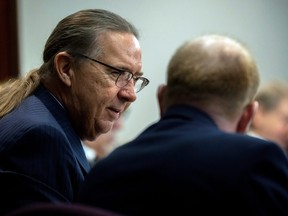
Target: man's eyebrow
x: 140, y: 73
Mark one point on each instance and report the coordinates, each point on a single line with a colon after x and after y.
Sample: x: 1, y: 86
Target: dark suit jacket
x: 184, y: 165
x: 41, y: 156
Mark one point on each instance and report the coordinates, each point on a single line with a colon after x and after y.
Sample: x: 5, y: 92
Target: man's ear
x: 247, y: 116
x: 161, y: 98
x: 62, y: 62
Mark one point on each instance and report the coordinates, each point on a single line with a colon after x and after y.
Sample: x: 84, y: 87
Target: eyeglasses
x: 123, y: 77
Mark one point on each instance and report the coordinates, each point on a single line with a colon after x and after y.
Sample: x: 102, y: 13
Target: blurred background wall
x: 164, y: 25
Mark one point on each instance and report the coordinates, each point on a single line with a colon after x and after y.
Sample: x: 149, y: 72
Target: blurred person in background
x: 271, y: 119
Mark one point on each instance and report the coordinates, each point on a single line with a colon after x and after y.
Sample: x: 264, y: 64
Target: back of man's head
x: 212, y: 70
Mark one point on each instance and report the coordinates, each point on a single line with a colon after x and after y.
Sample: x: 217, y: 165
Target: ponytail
x: 13, y: 92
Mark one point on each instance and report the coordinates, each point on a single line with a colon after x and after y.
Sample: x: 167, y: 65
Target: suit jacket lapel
x: 61, y: 117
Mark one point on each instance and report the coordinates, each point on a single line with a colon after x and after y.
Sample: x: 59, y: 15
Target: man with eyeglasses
x: 196, y: 160
x: 90, y: 74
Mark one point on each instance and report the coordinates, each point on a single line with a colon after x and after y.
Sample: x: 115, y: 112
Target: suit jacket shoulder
x: 38, y: 142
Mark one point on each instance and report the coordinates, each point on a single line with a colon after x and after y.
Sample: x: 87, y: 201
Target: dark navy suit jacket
x: 41, y: 156
x: 185, y: 165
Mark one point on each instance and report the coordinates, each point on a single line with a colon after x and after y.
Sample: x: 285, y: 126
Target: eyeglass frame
x: 145, y: 81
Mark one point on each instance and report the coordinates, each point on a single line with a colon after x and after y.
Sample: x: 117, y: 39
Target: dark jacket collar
x: 61, y: 116
x: 187, y: 112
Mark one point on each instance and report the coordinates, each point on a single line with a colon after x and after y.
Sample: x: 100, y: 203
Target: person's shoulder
x: 251, y: 141
x: 31, y: 116
x: 262, y: 148
x: 30, y: 112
